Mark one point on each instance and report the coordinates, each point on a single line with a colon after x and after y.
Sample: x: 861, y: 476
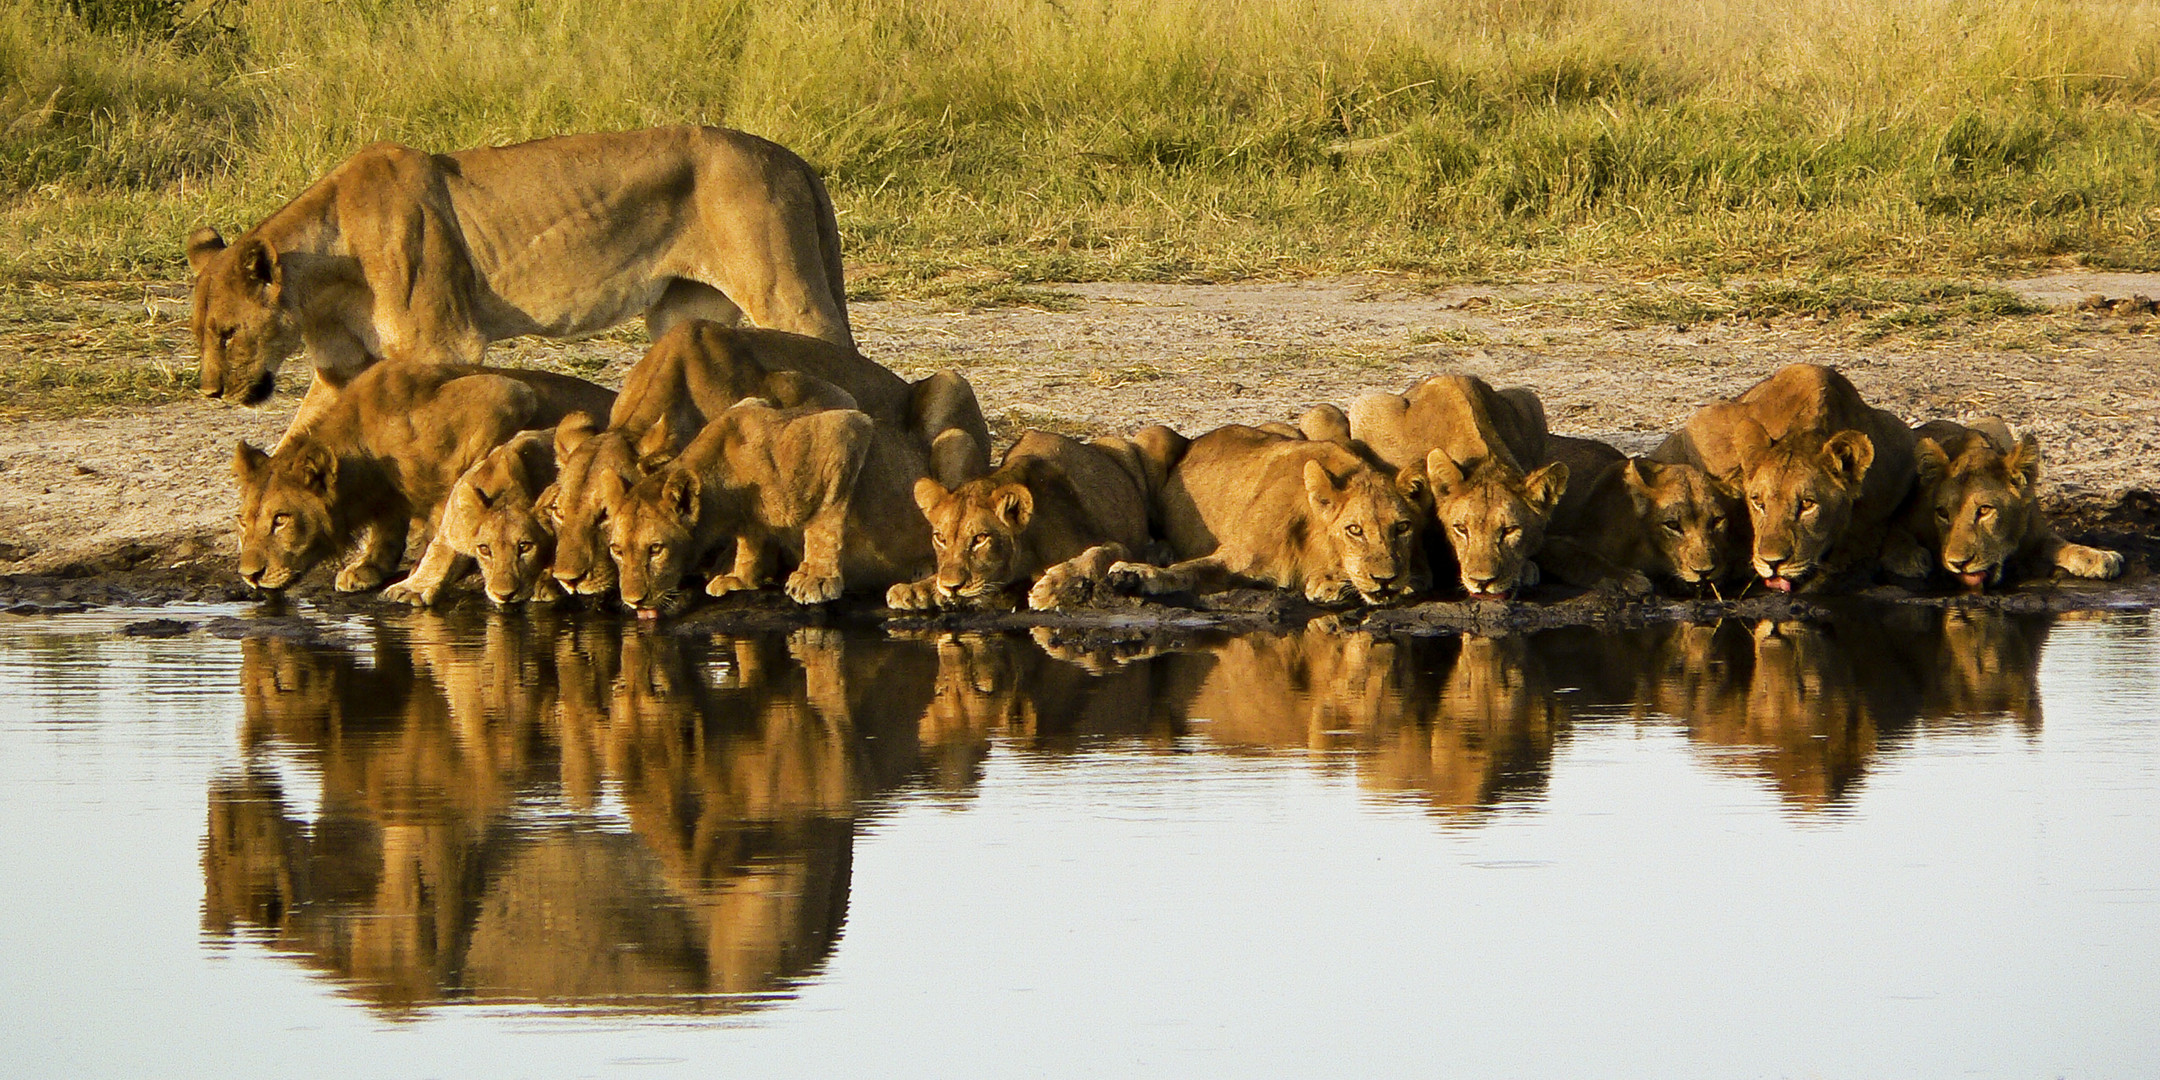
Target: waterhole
x: 1909, y: 840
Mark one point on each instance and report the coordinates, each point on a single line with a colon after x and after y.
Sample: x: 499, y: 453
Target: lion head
x: 651, y: 539
x: 492, y: 515
x: 1799, y: 497
x: 1495, y: 517
x: 1370, y: 523
x: 1686, y: 516
x: 594, y: 471
x: 241, y: 329
x: 1983, y: 501
x: 975, y: 530
x: 286, y: 521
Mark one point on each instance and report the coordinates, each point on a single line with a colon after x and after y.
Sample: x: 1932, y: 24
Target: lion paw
x: 805, y: 586
x: 1633, y: 583
x: 409, y: 592
x: 1060, y: 587
x: 1907, y: 561
x: 2089, y: 562
x: 728, y: 583
x: 359, y: 578
x: 1329, y: 589
x: 913, y: 595
x: 1530, y: 575
x: 1133, y: 578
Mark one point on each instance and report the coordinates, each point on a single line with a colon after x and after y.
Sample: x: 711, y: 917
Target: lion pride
x: 399, y: 253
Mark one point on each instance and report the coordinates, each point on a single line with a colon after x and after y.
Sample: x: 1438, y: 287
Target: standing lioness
x: 404, y: 254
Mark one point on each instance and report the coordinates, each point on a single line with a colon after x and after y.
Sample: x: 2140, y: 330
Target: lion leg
x: 317, y: 401
x: 914, y: 595
x: 752, y: 570
x: 2079, y: 560
x: 1575, y: 563
x: 816, y: 579
x: 1203, y: 575
x: 1069, y: 583
x: 439, y: 565
x: 381, y: 547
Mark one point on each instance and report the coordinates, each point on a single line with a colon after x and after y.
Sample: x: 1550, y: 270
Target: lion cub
x: 698, y: 370
x: 1245, y: 506
x: 380, y: 460
x: 1977, y: 511
x: 1822, y: 471
x: 490, y: 519
x: 1636, y: 520
x: 1481, y: 451
x: 1058, y: 512
x: 830, y: 488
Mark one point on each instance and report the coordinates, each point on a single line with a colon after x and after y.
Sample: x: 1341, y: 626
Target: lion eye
x: 1987, y: 511
x: 1509, y: 532
x: 615, y: 549
x: 1401, y: 528
x: 279, y: 522
x: 524, y: 546
x: 652, y: 549
x: 487, y: 551
x: 1756, y: 503
x: 937, y: 541
x: 1673, y: 526
x: 1459, y: 530
x: 981, y: 539
x: 1807, y: 506
x: 1354, y: 529
x: 1941, y: 514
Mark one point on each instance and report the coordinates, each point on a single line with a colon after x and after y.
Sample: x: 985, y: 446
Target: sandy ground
x: 152, y: 487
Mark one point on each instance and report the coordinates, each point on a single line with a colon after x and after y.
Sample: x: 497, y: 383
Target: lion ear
x: 2023, y: 461
x: 658, y: 443
x: 1750, y: 440
x: 929, y: 493
x: 203, y: 245
x: 1545, y: 487
x: 1442, y: 472
x: 248, y: 462
x: 1847, y: 455
x: 1412, y: 484
x: 1015, y: 505
x: 258, y: 263
x: 316, y: 468
x: 1320, y: 487
x: 574, y: 431
x: 1639, y: 475
x: 680, y: 494
x: 1930, y: 462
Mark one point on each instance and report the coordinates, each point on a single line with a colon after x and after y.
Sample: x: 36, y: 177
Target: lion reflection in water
x: 739, y: 769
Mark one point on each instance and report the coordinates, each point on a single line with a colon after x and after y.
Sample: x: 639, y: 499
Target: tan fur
x: 491, y: 519
x: 830, y: 489
x: 1484, y: 453
x: 1637, y: 520
x: 700, y: 369
x: 383, y: 458
x: 1057, y: 513
x: 403, y: 254
x: 1821, y: 472
x: 1977, y: 512
x: 1243, y: 506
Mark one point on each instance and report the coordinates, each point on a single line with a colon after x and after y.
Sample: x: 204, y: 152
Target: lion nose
x: 252, y: 577
x: 1772, y: 566
x: 1957, y: 566
x: 212, y: 391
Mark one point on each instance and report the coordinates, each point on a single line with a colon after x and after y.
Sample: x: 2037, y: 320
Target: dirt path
x: 152, y: 486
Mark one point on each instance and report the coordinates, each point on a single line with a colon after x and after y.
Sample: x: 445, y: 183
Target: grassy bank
x: 1038, y: 140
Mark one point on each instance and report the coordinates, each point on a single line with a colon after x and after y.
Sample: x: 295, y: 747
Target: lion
x: 1483, y: 452
x: 382, y: 459
x: 831, y: 488
x: 1248, y: 507
x: 1057, y: 513
x: 1637, y: 520
x: 398, y: 253
x: 700, y: 369
x: 1976, y: 512
x: 489, y: 519
x: 1821, y: 471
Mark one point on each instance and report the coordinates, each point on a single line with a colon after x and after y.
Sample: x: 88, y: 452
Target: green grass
x: 1010, y: 143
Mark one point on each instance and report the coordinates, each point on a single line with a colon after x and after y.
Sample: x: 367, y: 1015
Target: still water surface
x: 1909, y: 843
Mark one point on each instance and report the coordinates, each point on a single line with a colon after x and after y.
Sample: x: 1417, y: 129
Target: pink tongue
x: 1973, y: 581
x: 1778, y: 583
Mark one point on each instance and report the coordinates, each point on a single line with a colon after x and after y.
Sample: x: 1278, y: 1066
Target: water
x: 1907, y: 843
